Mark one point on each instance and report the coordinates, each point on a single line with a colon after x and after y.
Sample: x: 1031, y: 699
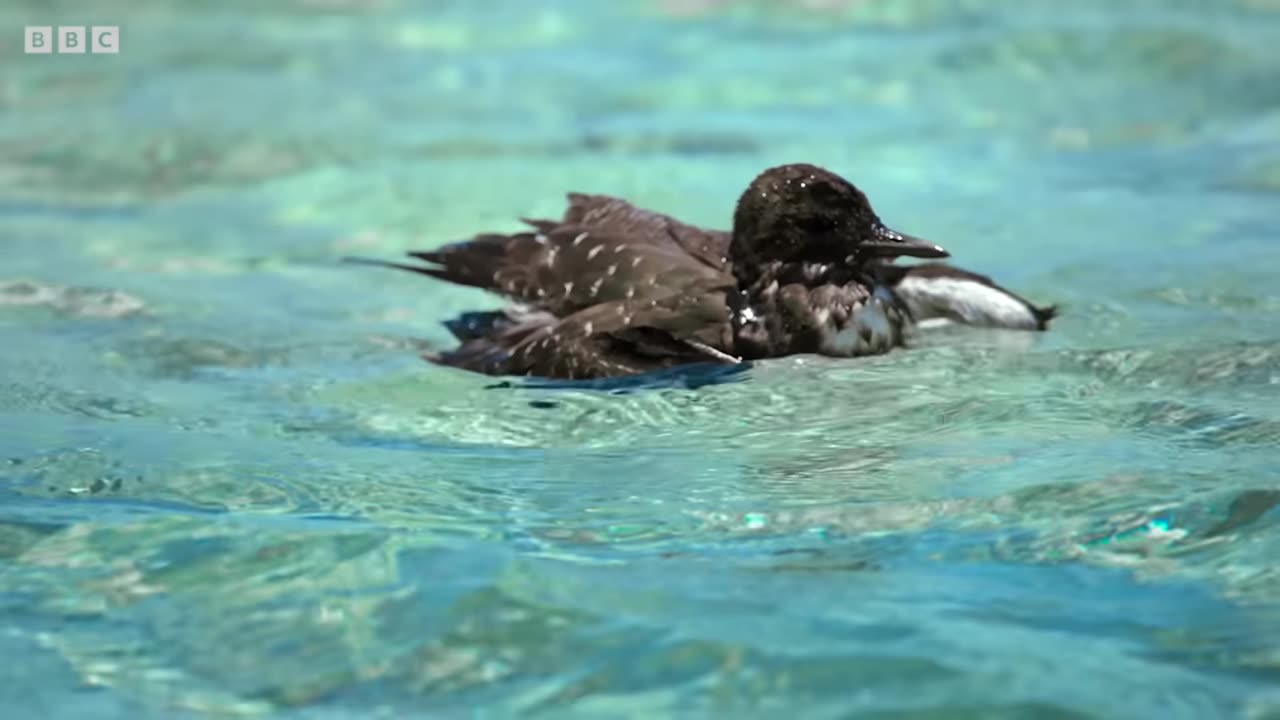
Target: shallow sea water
x: 228, y: 487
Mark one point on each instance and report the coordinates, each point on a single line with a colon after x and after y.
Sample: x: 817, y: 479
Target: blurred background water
x: 229, y: 487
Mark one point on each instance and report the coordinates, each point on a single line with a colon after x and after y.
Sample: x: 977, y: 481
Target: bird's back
x: 610, y: 289
x: 603, y: 250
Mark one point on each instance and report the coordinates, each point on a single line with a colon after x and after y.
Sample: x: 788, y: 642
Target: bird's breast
x: 834, y: 320
x: 870, y: 327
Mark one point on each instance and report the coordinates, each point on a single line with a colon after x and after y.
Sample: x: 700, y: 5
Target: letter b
x: 39, y: 39
x: 71, y: 39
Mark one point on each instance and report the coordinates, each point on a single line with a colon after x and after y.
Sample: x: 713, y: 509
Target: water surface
x: 230, y: 488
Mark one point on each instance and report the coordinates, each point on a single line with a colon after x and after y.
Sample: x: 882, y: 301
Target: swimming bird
x: 612, y: 289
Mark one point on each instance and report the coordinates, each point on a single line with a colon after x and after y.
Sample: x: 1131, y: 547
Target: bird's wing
x: 618, y: 217
x: 938, y: 290
x: 621, y: 337
x: 567, y: 268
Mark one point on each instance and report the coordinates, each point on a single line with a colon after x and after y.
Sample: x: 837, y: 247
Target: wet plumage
x: 612, y: 289
x: 609, y: 290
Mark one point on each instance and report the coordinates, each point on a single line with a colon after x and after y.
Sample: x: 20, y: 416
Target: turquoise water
x: 229, y: 488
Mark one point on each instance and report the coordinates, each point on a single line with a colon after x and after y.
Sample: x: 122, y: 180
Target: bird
x: 612, y: 289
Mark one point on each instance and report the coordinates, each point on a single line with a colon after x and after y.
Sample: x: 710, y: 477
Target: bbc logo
x: 73, y: 39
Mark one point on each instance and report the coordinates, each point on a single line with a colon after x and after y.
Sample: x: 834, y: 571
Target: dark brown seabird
x: 612, y: 289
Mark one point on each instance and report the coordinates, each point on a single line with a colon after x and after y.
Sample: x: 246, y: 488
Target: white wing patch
x: 964, y: 301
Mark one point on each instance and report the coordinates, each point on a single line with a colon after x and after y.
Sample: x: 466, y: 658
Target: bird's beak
x: 889, y: 243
